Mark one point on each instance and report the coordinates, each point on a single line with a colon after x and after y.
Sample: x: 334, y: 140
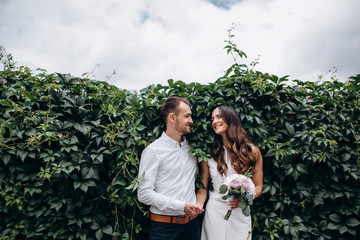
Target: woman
x: 231, y: 152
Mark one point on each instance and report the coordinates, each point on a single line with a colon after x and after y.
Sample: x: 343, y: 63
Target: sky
x: 135, y: 43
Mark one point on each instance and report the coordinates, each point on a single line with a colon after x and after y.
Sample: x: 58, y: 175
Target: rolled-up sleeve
x: 149, y: 166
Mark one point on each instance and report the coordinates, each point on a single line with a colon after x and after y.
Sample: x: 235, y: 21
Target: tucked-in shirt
x: 169, y: 180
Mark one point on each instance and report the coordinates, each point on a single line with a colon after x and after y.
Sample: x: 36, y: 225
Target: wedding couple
x: 169, y: 168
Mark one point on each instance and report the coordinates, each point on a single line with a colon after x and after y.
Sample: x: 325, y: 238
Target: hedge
x: 70, y: 150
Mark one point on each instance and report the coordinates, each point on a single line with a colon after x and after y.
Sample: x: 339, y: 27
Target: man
x: 168, y: 185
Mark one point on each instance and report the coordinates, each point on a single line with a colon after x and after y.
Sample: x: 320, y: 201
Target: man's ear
x: 171, y: 117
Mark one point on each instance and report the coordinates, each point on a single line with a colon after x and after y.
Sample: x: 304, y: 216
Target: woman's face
x: 218, y: 123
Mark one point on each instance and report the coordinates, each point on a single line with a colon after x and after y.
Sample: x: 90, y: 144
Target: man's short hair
x: 171, y: 106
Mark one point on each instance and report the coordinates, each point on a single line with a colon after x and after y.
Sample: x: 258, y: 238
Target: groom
x: 168, y: 185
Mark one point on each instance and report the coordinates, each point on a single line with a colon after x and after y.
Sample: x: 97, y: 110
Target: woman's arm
x: 202, y: 193
x: 257, y: 176
x: 258, y: 172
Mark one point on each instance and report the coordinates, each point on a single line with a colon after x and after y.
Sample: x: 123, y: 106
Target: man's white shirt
x: 169, y: 180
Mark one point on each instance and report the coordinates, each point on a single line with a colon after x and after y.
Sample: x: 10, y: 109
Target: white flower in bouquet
x: 241, y: 187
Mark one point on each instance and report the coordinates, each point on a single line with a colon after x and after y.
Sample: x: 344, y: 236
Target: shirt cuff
x: 180, y: 206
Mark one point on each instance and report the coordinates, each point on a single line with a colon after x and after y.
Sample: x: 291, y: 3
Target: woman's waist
x: 216, y: 197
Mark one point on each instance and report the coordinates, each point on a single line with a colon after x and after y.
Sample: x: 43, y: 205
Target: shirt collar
x: 172, y: 142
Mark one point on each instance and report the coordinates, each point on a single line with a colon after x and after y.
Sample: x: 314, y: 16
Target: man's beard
x: 184, y: 130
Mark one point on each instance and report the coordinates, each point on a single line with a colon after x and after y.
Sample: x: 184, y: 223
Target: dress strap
x: 227, y: 161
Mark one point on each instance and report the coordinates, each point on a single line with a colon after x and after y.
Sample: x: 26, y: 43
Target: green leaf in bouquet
x: 223, y: 189
x: 224, y: 197
x: 248, y: 173
x: 246, y: 211
x: 236, y: 191
x: 242, y: 203
x: 227, y: 215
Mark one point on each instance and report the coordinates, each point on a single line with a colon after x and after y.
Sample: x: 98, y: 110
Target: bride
x: 231, y: 152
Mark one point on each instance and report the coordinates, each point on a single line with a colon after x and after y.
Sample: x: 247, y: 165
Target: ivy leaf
x: 30, y: 132
x: 84, y: 187
x: 345, y: 157
x: 80, y: 101
x: 290, y: 128
x: 82, y: 127
x: 99, y: 234
x: 5, y: 103
x: 322, y: 225
x: 6, y: 158
x: 336, y: 218
x: 352, y: 222
x: 107, y: 229
x: 342, y: 229
x: 77, y: 184
x: 74, y: 139
x: 294, y: 232
x: 296, y: 219
x: 332, y: 226
x: 125, y: 236
x: 22, y: 154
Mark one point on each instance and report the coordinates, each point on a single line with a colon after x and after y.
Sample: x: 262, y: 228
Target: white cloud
x: 148, y: 41
x: 304, y: 38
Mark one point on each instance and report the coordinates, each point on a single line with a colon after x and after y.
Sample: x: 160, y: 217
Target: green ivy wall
x: 70, y: 150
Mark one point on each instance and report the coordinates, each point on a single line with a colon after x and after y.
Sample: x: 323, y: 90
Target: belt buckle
x: 178, y: 217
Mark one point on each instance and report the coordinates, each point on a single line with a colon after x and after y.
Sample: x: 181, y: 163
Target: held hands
x: 193, y: 210
x: 200, y: 208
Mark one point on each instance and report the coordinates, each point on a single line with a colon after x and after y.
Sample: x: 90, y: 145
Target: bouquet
x: 241, y: 187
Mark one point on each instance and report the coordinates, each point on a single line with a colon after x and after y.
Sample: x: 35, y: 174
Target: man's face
x: 183, y: 120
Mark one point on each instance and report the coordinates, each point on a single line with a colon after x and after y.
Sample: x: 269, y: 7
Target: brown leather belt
x: 170, y: 219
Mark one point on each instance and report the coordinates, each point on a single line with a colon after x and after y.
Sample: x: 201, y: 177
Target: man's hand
x: 234, y: 204
x: 193, y: 210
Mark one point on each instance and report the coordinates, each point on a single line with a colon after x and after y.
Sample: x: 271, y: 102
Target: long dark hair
x: 237, y: 144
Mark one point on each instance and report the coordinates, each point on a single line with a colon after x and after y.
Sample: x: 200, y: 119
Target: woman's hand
x: 200, y: 208
x: 193, y: 210
x: 234, y: 204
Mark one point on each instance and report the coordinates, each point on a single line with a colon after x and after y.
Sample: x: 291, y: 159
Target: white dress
x: 215, y: 227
